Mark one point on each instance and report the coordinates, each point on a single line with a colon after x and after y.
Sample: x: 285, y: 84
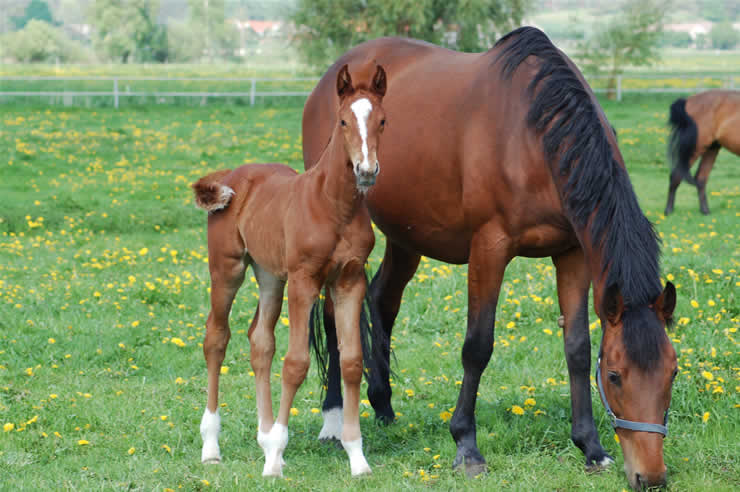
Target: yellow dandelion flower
x: 131, y: 450
x: 52, y: 341
x: 409, y: 393
x: 445, y: 416
x: 616, y: 438
x: 167, y: 448
x: 517, y: 410
x: 143, y: 251
x: 224, y: 369
x: 705, y: 417
x: 8, y: 427
x: 294, y: 411
x: 205, y: 482
x: 83, y: 442
x: 530, y: 402
x: 694, y: 304
x: 707, y: 375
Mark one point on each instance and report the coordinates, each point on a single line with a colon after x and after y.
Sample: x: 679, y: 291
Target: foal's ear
x: 344, y: 82
x: 613, y: 304
x: 666, y: 302
x: 379, y: 82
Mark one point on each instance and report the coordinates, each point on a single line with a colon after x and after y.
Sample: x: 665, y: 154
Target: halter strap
x: 628, y: 424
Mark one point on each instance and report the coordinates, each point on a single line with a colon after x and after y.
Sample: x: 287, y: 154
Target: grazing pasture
x: 104, y: 295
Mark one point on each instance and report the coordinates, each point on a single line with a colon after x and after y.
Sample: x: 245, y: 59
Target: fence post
x: 252, y: 91
x: 619, y: 88
x: 115, y: 92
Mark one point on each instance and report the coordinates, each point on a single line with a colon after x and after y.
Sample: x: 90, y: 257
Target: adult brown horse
x: 700, y: 126
x: 501, y: 154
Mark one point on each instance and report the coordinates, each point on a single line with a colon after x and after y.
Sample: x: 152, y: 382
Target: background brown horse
x: 700, y: 126
x: 501, y: 154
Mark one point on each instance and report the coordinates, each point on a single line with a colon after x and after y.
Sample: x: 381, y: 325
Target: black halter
x: 628, y: 424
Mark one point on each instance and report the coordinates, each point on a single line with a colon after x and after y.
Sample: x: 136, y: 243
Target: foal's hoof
x: 331, y: 442
x: 211, y: 461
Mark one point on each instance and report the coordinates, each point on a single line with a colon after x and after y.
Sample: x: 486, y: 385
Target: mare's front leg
x: 386, y: 289
x: 302, y: 292
x: 702, y: 176
x: 490, y: 252
x: 332, y: 406
x: 227, y: 275
x: 261, y: 352
x: 348, y: 293
x: 573, y: 281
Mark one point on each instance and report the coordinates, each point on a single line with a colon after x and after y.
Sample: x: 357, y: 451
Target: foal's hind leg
x: 227, y: 274
x: 573, y: 282
x: 386, y: 289
x: 349, y: 293
x: 262, y: 350
x: 702, y: 176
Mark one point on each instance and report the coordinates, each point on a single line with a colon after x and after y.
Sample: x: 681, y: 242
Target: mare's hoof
x: 385, y: 417
x: 472, y: 470
x: 331, y: 442
x: 211, y: 461
x: 595, y: 466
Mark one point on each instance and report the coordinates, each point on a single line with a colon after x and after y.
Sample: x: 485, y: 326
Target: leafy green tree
x: 127, y: 30
x: 327, y: 28
x: 206, y: 33
x: 39, y: 41
x: 724, y: 36
x: 36, y: 9
x: 631, y: 38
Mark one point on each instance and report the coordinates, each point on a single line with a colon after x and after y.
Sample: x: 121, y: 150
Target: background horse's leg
x: 386, y: 289
x: 489, y: 255
x: 227, y: 275
x: 332, y: 407
x: 675, y: 180
x: 702, y: 176
x: 573, y: 280
x: 349, y: 293
x: 262, y: 348
x: 302, y: 293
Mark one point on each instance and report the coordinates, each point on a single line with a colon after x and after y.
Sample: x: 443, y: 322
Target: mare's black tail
x: 682, y: 142
x: 374, y: 343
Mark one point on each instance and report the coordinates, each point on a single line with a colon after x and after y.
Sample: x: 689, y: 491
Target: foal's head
x: 362, y: 120
x: 636, y: 370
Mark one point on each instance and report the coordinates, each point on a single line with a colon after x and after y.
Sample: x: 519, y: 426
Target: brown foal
x: 309, y: 230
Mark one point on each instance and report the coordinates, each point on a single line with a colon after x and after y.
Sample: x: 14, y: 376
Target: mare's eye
x: 382, y: 122
x: 615, y: 378
x: 344, y: 123
x: 675, y: 373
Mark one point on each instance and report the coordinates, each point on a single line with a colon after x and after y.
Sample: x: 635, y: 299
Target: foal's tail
x: 374, y: 343
x: 210, y: 193
x: 682, y: 142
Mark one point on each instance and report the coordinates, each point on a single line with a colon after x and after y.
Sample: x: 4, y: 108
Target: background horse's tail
x: 374, y: 344
x: 682, y: 142
x: 210, y: 193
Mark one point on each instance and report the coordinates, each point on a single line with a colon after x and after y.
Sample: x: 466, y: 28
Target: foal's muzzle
x: 365, y: 178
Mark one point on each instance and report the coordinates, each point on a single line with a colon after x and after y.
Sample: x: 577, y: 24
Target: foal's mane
x: 594, y: 187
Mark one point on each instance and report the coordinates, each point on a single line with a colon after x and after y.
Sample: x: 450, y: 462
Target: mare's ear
x: 344, y: 82
x: 666, y: 302
x: 613, y: 304
x: 379, y: 82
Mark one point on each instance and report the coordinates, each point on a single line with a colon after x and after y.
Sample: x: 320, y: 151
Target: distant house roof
x: 258, y: 26
x: 693, y: 28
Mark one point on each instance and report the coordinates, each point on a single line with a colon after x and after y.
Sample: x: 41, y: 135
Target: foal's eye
x: 344, y: 123
x: 615, y: 378
x: 382, y: 122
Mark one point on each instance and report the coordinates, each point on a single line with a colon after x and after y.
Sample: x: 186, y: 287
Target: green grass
x: 102, y: 268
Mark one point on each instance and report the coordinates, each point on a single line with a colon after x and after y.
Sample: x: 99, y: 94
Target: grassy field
x: 103, y: 299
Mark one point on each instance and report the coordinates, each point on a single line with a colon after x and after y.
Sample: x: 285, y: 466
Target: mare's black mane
x: 594, y: 186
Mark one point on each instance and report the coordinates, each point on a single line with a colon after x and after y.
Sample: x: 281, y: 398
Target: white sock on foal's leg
x: 273, y: 444
x: 333, y: 421
x: 357, y: 462
x: 210, y: 426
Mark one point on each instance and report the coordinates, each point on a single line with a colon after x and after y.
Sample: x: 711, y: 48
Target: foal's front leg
x: 302, y: 292
x: 348, y: 294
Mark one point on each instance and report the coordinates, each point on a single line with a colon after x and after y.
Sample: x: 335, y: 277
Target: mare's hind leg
x: 573, y: 282
x: 302, y: 292
x: 227, y: 275
x: 490, y: 252
x: 702, y: 176
x: 332, y: 407
x: 262, y: 349
x: 349, y: 292
x: 386, y: 289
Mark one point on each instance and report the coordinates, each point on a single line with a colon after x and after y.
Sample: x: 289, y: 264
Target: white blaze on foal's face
x: 362, y: 123
x: 362, y: 109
